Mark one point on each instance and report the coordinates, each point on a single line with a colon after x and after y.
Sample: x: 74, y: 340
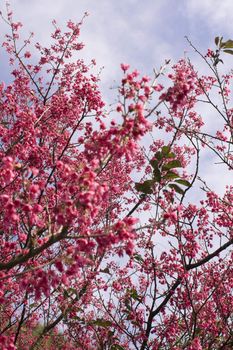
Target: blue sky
x: 142, y: 33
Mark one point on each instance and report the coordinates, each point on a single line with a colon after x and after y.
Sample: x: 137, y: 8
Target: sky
x: 141, y: 33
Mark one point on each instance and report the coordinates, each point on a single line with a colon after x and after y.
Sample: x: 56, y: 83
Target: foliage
x: 91, y: 258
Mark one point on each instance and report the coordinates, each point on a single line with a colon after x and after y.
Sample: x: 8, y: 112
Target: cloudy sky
x: 142, y: 33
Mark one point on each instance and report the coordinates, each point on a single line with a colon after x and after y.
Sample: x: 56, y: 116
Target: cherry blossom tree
x: 103, y: 242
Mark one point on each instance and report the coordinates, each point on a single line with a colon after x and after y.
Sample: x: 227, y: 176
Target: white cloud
x: 217, y: 14
x: 141, y: 33
x: 115, y: 32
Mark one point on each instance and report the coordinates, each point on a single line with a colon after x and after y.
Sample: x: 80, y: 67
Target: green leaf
x: 183, y: 182
x: 72, y: 291
x: 65, y: 294
x: 165, y: 150
x: 176, y: 188
x: 221, y: 43
x: 33, y: 305
x: 106, y: 270
x: 111, y: 334
x: 227, y: 44
x: 154, y: 163
x: 158, y: 155
x: 228, y: 51
x: 173, y: 164
x: 170, y: 175
x: 78, y: 319
x: 3, y: 122
x: 127, y: 304
x: 216, y: 40
x: 138, y: 257
x: 157, y: 175
x: 170, y: 155
x: 134, y: 294
x: 116, y: 347
x: 145, y: 187
x: 102, y: 323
